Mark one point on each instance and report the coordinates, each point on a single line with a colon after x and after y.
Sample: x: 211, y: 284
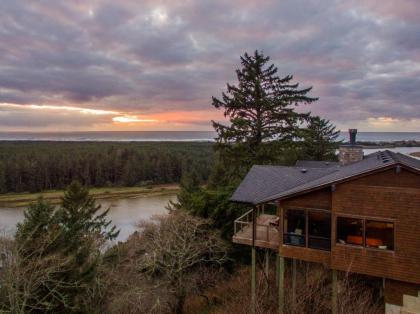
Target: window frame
x: 305, y: 231
x: 306, y: 211
x: 363, y: 231
x: 364, y: 219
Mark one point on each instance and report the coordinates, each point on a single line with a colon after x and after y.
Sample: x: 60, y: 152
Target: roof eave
x: 317, y: 187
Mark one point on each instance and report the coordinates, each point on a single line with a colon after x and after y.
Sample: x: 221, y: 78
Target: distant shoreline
x: 179, y: 136
x: 365, y: 144
x: 12, y: 200
x: 389, y: 144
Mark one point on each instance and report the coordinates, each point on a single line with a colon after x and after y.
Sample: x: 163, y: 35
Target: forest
x: 183, y: 262
x: 37, y: 166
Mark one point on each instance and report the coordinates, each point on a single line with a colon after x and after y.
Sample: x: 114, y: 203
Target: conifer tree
x: 80, y: 215
x: 65, y: 244
x: 320, y: 139
x: 38, y: 220
x: 261, y: 112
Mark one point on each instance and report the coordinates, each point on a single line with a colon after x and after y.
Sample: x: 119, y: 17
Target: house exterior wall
x: 386, y: 196
x: 395, y: 291
x: 389, y: 195
x: 320, y: 199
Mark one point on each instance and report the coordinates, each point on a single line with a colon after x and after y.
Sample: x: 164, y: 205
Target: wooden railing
x: 262, y: 230
x: 243, y: 221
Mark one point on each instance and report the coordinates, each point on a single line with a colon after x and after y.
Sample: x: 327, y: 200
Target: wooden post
x: 253, y: 279
x: 277, y: 270
x: 267, y: 262
x: 280, y: 269
x: 334, y: 292
x: 293, y: 281
x: 253, y: 263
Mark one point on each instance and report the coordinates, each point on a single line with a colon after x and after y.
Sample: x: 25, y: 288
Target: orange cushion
x: 354, y: 239
x: 359, y: 240
x: 374, y: 242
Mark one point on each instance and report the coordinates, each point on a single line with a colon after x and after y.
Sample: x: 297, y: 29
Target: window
x: 294, y: 227
x: 380, y: 235
x: 319, y: 230
x: 349, y: 231
x: 315, y: 222
x: 365, y: 232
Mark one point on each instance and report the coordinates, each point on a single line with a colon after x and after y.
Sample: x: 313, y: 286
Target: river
x: 125, y: 213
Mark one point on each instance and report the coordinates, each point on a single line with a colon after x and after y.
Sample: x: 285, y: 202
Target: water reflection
x: 124, y: 213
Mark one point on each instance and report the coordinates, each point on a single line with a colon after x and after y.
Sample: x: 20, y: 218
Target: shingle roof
x: 268, y: 183
x: 316, y: 164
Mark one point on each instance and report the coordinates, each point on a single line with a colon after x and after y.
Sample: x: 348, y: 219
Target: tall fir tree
x: 60, y: 248
x: 261, y: 112
x: 80, y: 214
x: 320, y: 140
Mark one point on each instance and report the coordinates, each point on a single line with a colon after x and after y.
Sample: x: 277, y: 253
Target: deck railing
x: 243, y: 221
x: 262, y: 230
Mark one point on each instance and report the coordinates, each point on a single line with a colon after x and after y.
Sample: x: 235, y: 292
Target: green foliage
x: 38, y: 221
x: 261, y: 114
x: 79, y: 214
x: 3, y: 187
x: 57, y: 254
x: 263, y: 129
x: 211, y: 203
x: 319, y: 140
x: 38, y: 166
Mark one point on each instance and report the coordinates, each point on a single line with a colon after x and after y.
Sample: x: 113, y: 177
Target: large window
x: 319, y: 230
x: 380, y: 234
x: 294, y: 227
x: 349, y: 231
x: 316, y: 223
x: 365, y: 232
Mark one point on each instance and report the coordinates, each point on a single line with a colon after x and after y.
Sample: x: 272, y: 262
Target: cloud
x: 162, y: 58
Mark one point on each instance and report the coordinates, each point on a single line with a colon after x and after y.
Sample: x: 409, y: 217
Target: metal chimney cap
x: 352, y: 133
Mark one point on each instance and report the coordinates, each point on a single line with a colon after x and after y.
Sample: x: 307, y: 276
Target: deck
x: 267, y: 234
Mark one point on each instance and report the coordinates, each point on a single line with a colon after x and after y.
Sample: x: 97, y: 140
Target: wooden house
x: 361, y: 215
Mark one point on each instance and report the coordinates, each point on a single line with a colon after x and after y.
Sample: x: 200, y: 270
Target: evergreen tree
x: 261, y: 114
x: 37, y: 219
x: 320, y: 140
x: 60, y: 248
x: 3, y: 186
x: 79, y: 214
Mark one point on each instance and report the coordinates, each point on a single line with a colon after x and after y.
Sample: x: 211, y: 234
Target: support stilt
x: 334, y: 292
x: 267, y: 262
x: 280, y: 269
x: 253, y: 279
x: 293, y: 280
x: 277, y: 270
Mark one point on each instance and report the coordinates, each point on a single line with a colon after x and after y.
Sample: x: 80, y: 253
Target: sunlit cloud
x: 159, y: 16
x: 381, y: 121
x: 65, y: 108
x: 110, y: 115
x: 131, y: 119
x: 156, y: 64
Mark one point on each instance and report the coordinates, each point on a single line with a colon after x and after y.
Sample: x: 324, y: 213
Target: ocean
x: 182, y: 136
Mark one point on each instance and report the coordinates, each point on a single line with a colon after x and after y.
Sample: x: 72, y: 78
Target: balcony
x: 266, y: 230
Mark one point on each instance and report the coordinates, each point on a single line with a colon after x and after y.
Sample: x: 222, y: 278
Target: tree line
x: 37, y: 166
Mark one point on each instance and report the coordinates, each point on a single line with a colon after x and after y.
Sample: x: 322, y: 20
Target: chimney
x: 350, y: 153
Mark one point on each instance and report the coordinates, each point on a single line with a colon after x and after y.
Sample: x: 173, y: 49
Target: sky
x: 154, y: 65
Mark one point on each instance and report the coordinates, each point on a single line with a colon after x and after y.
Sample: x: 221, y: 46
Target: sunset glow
x: 131, y: 119
x: 142, y: 65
